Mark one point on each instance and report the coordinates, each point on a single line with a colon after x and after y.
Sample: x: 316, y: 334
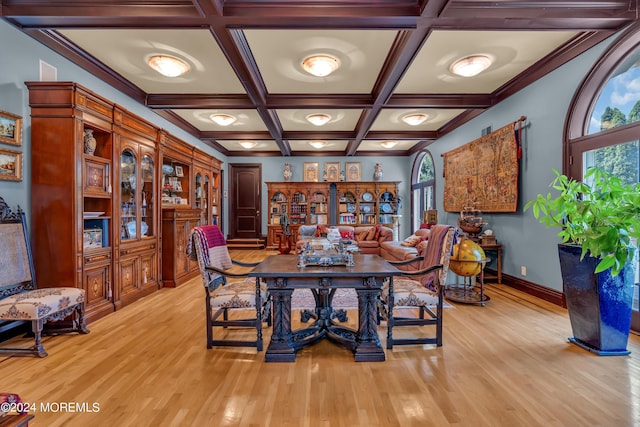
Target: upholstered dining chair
x: 227, y: 289
x: 421, y: 288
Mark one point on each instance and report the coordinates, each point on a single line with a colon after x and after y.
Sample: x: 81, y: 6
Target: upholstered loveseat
x: 367, y: 237
x: 405, y: 249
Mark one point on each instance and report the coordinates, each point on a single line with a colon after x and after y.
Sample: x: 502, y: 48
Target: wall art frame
x: 10, y: 165
x: 353, y: 171
x: 310, y: 171
x: 10, y: 128
x: 332, y: 169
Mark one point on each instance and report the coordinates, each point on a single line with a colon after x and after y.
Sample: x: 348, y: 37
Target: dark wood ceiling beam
x: 318, y: 135
x: 209, y: 7
x: 438, y: 100
x: 408, y: 134
x: 52, y: 8
x: 236, y: 48
x: 196, y: 100
x: 319, y: 101
x: 237, y: 135
x: 404, y: 49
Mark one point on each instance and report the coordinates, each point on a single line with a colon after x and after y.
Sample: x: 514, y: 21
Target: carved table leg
x: 280, y: 347
x: 368, y: 348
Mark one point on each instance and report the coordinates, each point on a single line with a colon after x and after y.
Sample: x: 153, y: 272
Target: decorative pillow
x: 307, y: 231
x: 376, y: 235
x: 411, y: 241
x: 322, y: 229
x: 363, y: 235
x: 371, y: 234
x: 348, y: 234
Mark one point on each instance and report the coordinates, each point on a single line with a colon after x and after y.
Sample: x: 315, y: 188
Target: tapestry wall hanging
x: 483, y: 174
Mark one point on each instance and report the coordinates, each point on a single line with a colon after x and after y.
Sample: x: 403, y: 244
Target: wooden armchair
x: 20, y: 299
x: 422, y: 289
x: 226, y: 290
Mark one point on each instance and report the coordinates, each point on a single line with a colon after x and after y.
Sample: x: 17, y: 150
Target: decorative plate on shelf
x: 386, y: 208
x: 167, y: 169
x: 131, y: 228
x: 367, y: 197
x: 366, y: 209
x: 351, y: 208
x: 93, y: 214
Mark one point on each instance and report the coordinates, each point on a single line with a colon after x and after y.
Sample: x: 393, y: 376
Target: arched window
x: 603, y: 126
x: 423, y: 184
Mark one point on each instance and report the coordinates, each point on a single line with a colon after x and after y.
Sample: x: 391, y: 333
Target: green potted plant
x: 599, y: 221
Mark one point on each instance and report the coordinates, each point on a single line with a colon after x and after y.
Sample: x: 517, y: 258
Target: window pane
x: 619, y: 101
x: 622, y: 160
x: 426, y: 169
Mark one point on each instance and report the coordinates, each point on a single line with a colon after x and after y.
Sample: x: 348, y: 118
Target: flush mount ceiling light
x: 248, y: 144
x: 223, y: 119
x: 470, y: 66
x: 320, y: 65
x: 389, y: 144
x: 168, y: 66
x: 414, y: 119
x: 318, y: 144
x: 318, y: 119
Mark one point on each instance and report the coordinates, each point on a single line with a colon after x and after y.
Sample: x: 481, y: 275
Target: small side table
x: 497, y: 248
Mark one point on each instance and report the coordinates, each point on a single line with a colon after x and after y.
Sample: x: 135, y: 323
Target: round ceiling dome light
x: 318, y: 119
x: 168, y: 66
x: 389, y: 144
x: 470, y: 66
x: 222, y: 119
x: 414, y: 119
x: 248, y: 144
x: 318, y: 144
x: 320, y: 65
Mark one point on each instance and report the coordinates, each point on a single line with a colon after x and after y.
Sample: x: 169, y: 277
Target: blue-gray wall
x: 544, y: 103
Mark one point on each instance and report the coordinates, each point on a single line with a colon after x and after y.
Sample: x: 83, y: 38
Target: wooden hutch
x: 312, y: 203
x: 95, y: 215
x: 190, y: 180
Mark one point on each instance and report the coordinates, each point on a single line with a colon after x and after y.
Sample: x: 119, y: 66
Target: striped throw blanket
x: 212, y: 246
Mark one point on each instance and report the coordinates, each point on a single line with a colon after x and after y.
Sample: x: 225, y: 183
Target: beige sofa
x: 396, y: 251
x: 369, y: 244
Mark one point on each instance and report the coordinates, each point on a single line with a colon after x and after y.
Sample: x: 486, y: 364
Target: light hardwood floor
x: 506, y: 364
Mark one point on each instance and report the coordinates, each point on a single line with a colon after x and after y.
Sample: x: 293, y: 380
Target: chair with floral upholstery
x: 20, y: 299
x: 226, y: 288
x: 422, y: 288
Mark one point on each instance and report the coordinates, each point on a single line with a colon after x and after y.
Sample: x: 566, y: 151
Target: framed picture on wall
x: 311, y: 171
x: 10, y: 128
x: 10, y: 165
x: 354, y: 171
x: 332, y: 169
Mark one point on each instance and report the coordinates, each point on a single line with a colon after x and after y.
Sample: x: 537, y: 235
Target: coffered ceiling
x: 245, y: 60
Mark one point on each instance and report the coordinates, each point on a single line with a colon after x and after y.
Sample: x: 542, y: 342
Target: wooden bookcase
x: 310, y: 203
x: 81, y: 201
x: 97, y: 218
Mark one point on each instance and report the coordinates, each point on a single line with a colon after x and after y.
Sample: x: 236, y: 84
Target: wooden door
x: 245, y: 213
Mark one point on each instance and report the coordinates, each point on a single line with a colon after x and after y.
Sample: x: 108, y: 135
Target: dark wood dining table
x: 282, y: 275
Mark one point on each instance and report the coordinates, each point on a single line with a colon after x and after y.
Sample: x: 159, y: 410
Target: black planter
x: 599, y: 305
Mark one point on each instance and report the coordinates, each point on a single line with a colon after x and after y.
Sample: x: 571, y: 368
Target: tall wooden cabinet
x: 312, y: 203
x: 83, y: 204
x: 137, y: 255
x: 190, y: 188
x: 114, y: 219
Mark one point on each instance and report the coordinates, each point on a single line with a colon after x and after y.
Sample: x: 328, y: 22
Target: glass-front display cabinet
x: 136, y: 195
